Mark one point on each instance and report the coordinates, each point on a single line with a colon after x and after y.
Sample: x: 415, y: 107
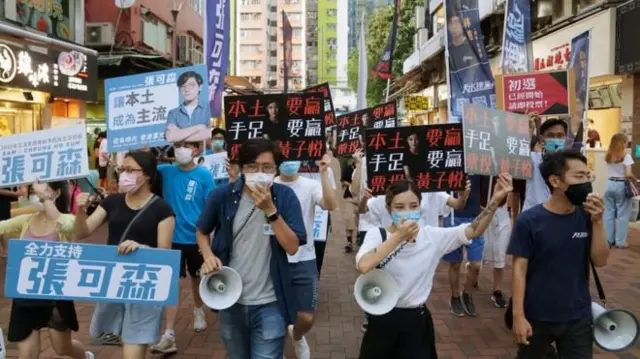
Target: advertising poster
x: 545, y: 93
x: 431, y: 156
x: 295, y: 121
x: 495, y: 142
x: 157, y: 108
x: 48, y: 155
x: 89, y: 272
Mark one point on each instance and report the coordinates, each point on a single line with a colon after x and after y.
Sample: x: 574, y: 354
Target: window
x: 331, y: 12
x: 579, y: 5
x: 297, y: 31
x: 437, y: 19
x: 251, y: 49
x: 251, y: 64
x: 197, y: 6
x: 250, y: 16
x: 294, y: 16
x: 296, y: 49
x: 331, y: 27
x: 154, y: 34
x: 249, y: 33
x: 291, y: 2
x: 250, y: 2
x: 57, y: 19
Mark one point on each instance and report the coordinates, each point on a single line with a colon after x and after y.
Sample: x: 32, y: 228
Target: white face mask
x: 35, y: 201
x: 184, y: 155
x: 259, y: 178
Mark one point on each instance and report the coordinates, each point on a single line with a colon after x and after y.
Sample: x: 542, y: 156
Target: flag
x: 363, y: 72
x: 216, y: 45
x: 287, y: 35
x: 517, y: 55
x: 384, y: 67
x: 579, y: 62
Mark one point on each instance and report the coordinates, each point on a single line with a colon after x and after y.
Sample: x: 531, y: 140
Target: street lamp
x: 174, y: 35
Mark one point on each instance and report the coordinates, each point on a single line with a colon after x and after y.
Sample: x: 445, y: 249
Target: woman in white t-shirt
x: 617, y: 201
x: 411, y: 255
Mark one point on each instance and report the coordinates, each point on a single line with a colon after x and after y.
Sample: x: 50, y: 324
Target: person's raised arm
x: 288, y: 227
x: 363, y: 204
x: 599, y: 251
x: 329, y: 201
x: 458, y: 203
x: 373, y: 250
x: 501, y: 191
x: 356, y: 181
x: 84, y: 226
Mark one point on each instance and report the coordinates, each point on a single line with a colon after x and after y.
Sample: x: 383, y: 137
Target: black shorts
x: 25, y: 318
x: 190, y: 259
x: 102, y: 172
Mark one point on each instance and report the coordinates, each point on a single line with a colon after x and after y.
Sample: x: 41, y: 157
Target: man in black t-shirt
x: 461, y: 52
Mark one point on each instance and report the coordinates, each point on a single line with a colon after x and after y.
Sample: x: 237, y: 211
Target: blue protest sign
x: 49, y: 155
x: 157, y: 108
x: 88, y: 272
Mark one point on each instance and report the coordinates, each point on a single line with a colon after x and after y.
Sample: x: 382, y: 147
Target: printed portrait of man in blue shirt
x: 189, y: 122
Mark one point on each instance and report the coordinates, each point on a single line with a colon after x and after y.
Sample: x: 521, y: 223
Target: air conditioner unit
x: 99, y: 34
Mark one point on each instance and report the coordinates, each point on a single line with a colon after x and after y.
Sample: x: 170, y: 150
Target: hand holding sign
x: 504, y: 186
x: 323, y: 164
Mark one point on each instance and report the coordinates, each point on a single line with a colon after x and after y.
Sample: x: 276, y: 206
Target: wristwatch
x: 274, y: 217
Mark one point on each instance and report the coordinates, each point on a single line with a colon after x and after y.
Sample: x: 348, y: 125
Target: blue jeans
x: 617, y: 212
x: 253, y: 331
x: 475, y: 250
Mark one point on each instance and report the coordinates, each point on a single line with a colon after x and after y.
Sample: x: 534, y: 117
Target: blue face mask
x: 554, y: 144
x: 218, y: 144
x: 290, y: 168
x: 400, y: 216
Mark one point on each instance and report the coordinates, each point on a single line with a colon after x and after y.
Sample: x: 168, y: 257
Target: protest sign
x: 432, y: 156
x: 294, y: 120
x: 157, y: 108
x: 329, y: 113
x: 495, y: 142
x: 215, y: 164
x: 351, y: 126
x: 48, y: 155
x: 89, y: 272
x: 545, y: 93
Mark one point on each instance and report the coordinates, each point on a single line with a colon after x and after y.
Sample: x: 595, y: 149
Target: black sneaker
x: 467, y: 304
x: 365, y: 324
x: 456, y: 306
x: 348, y: 248
x: 498, y: 299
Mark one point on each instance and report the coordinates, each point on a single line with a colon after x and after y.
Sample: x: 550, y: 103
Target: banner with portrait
x: 580, y: 49
x: 293, y: 120
x: 517, y: 55
x: 431, y: 156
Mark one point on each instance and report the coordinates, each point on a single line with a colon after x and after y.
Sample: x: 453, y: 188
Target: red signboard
x: 545, y: 93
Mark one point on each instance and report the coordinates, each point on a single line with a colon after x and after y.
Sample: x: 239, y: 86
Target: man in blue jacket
x: 256, y: 223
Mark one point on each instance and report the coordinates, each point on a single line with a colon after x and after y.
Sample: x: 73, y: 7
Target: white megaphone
x: 222, y: 289
x: 376, y: 292
x: 614, y: 330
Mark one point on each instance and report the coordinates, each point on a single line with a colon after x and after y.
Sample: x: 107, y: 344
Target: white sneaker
x: 301, y: 347
x: 199, y: 320
x: 165, y: 346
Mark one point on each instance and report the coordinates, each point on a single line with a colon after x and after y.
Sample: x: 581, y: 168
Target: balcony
x: 427, y: 50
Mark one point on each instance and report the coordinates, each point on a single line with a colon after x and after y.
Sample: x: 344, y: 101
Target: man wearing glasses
x: 256, y: 224
x: 189, y: 122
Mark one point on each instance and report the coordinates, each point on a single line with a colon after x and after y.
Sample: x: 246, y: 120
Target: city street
x: 336, y: 334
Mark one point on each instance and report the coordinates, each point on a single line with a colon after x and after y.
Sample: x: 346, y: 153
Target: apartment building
x: 259, y: 42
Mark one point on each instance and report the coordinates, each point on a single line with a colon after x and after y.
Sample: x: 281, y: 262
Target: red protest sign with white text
x: 545, y: 93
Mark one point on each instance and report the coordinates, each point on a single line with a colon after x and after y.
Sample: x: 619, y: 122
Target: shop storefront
x: 43, y: 87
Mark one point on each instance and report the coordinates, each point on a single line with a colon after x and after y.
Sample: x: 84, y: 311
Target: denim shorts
x: 134, y: 323
x: 304, y: 277
x: 475, y: 250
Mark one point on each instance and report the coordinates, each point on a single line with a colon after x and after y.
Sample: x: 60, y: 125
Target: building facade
x: 47, y: 75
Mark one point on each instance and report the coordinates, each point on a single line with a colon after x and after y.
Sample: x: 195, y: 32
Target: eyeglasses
x: 192, y: 86
x: 254, y: 167
x: 128, y: 170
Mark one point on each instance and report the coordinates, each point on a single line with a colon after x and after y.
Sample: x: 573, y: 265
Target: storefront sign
x: 557, y: 59
x: 71, y: 74
x: 545, y: 93
x: 627, y: 54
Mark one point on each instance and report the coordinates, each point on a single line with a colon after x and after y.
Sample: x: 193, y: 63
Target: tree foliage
x: 376, y: 37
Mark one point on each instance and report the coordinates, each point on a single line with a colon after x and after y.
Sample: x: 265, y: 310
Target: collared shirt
x: 218, y: 216
x: 180, y: 116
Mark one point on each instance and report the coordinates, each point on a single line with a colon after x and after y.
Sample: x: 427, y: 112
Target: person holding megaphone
x: 410, y: 254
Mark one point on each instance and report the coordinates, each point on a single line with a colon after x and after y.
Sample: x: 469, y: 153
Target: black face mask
x: 577, y: 193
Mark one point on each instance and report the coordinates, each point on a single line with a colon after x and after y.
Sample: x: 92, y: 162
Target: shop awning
x: 417, y: 78
x: 116, y: 60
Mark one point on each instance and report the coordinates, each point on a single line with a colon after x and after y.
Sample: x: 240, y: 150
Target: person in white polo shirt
x: 411, y: 255
x: 303, y: 267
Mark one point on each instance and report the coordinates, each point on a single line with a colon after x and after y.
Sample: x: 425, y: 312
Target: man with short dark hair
x: 552, y: 244
x: 256, y: 223
x: 190, y: 121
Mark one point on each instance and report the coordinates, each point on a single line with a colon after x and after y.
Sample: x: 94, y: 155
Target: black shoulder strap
x: 383, y: 233
x: 599, y: 288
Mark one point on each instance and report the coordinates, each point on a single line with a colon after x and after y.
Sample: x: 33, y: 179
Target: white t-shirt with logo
x: 415, y: 264
x: 309, y: 193
x: 432, y: 206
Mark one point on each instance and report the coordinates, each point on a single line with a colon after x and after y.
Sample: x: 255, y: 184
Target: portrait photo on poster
x: 157, y: 108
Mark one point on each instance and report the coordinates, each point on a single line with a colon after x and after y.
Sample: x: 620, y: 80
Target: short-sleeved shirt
x: 472, y: 207
x: 187, y: 193
x: 537, y: 191
x: 144, y: 230
x: 415, y: 265
x: 617, y: 170
x: 182, y: 117
x: 557, y: 249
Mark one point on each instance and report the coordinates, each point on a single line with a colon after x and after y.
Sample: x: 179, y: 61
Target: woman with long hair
x: 617, y: 201
x: 411, y: 255
x: 136, y: 218
x: 51, y: 222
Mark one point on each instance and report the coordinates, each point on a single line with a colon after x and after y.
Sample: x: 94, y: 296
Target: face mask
x: 577, y: 193
x: 35, y: 201
x: 184, y: 155
x: 554, y: 144
x: 290, y: 168
x: 259, y: 178
x: 399, y: 216
x: 128, y: 182
x: 217, y: 144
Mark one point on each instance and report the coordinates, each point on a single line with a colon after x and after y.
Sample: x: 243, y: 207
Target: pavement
x: 336, y: 333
